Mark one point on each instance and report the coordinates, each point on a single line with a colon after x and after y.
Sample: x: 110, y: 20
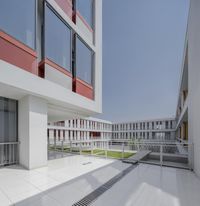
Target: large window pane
x: 8, y: 120
x: 84, y: 58
x: 17, y: 18
x: 85, y: 8
x: 57, y: 40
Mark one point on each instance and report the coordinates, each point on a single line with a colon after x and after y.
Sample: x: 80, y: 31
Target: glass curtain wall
x: 85, y: 8
x: 8, y: 120
x: 18, y: 19
x: 57, y: 40
x: 84, y: 61
x: 8, y: 131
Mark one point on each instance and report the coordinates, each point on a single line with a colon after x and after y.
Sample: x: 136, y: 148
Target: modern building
x: 188, y: 112
x: 100, y: 132
x: 51, y: 69
x: 147, y: 130
x: 88, y: 131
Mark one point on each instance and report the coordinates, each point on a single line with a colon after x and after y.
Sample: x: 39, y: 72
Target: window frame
x: 92, y: 25
x: 76, y: 36
x: 35, y: 30
x: 5, y: 99
x: 47, y: 5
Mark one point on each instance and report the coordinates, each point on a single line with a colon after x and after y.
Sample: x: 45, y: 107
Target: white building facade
x: 51, y: 69
x: 147, y: 130
x: 88, y: 131
x: 188, y: 113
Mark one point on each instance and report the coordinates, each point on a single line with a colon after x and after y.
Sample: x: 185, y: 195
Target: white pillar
x: 78, y: 135
x: 78, y: 123
x: 32, y: 132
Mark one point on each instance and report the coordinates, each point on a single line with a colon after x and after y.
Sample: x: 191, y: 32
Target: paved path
x: 150, y: 185
x: 18, y: 184
x: 72, y: 191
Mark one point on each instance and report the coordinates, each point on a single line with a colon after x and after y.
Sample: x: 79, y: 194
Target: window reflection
x: 57, y: 40
x: 85, y: 8
x: 84, y: 59
x: 17, y: 18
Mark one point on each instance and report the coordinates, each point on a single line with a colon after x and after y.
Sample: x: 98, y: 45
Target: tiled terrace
x: 17, y: 184
x: 65, y: 181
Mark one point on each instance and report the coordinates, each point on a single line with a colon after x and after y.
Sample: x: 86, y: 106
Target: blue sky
x: 143, y: 44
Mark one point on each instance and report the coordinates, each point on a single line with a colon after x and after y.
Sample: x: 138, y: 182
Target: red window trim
x: 55, y: 66
x: 17, y: 43
x: 84, y: 83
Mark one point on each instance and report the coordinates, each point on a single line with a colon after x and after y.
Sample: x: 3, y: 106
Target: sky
x: 143, y: 43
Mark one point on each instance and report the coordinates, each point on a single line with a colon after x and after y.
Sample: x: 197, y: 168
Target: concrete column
x: 88, y: 135
x: 32, y: 132
x: 61, y: 135
x: 145, y: 135
x: 66, y: 123
x: 71, y: 135
x: 78, y: 123
x: 78, y: 135
x: 66, y: 135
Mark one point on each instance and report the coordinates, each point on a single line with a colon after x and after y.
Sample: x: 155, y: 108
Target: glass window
x: 85, y: 9
x: 8, y: 120
x: 17, y: 18
x: 84, y: 59
x: 57, y: 40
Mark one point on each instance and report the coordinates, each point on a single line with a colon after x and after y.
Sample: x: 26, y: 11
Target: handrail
x: 8, y: 143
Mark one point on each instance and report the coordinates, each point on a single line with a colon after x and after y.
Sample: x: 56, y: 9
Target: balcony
x: 76, y: 178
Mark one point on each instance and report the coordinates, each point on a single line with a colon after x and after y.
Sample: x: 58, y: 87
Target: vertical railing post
x: 106, y: 151
x: 17, y: 147
x: 62, y: 146
x: 161, y: 154
x: 48, y: 143
x: 123, y: 150
x: 92, y: 145
x: 138, y: 146
x: 70, y: 145
x: 54, y: 143
x: 62, y: 149
x: 80, y: 147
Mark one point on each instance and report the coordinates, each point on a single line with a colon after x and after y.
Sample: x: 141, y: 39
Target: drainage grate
x: 86, y: 163
x: 90, y: 198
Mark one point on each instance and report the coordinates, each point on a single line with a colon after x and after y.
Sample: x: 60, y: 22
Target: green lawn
x: 98, y: 152
x: 112, y: 154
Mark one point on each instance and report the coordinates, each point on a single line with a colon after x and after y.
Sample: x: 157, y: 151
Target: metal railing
x: 9, y: 153
x: 169, y: 153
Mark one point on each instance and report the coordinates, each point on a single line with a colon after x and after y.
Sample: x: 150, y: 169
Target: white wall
x: 194, y: 80
x: 58, y: 77
x: 32, y: 132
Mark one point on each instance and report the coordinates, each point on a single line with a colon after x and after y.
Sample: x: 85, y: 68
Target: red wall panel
x: 18, y: 54
x: 82, y: 88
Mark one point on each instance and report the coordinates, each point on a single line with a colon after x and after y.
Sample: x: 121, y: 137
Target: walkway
x: 17, y: 184
x: 149, y: 185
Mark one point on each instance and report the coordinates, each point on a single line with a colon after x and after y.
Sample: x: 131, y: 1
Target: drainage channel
x: 90, y: 198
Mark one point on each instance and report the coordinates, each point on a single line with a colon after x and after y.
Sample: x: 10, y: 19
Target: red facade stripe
x: 18, y: 54
x: 16, y: 43
x: 82, y: 88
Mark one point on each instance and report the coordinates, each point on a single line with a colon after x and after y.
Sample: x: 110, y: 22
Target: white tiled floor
x: 17, y: 183
x: 149, y: 185
x: 145, y: 185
